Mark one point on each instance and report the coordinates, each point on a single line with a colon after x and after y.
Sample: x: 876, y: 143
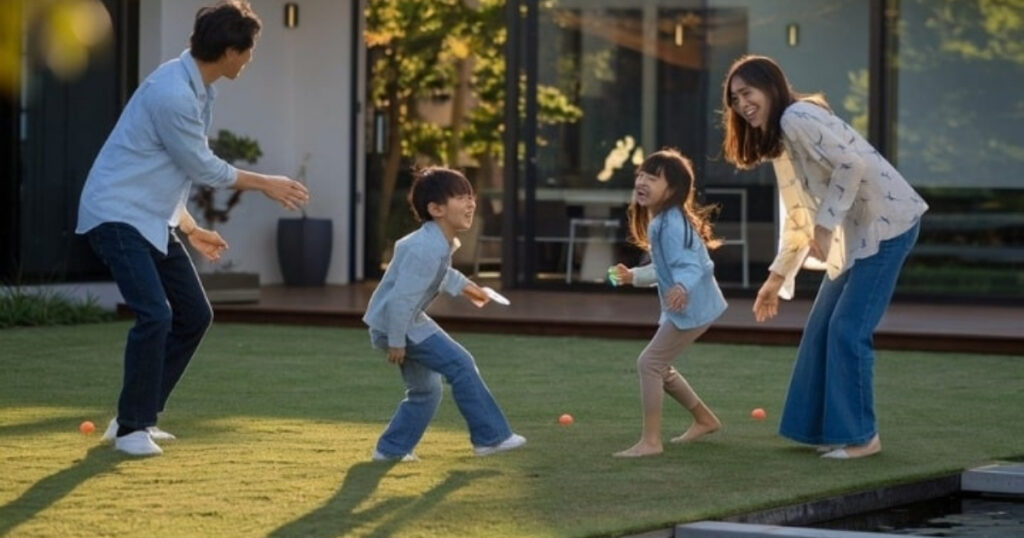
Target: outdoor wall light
x: 291, y: 15
x: 680, y: 34
x: 792, y: 34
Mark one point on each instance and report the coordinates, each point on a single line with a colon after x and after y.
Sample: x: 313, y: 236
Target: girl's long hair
x: 745, y: 146
x: 678, y: 172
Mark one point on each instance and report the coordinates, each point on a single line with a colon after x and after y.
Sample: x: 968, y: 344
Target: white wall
x: 294, y: 98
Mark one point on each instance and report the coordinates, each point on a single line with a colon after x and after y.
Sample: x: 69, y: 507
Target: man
x: 134, y: 199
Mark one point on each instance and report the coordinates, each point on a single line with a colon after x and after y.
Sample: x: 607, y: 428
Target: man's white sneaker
x: 137, y: 443
x: 154, y: 431
x: 378, y: 456
x: 514, y: 441
x: 111, y: 433
x: 159, y: 435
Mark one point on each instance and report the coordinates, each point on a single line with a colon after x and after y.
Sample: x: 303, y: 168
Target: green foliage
x: 411, y: 39
x: 23, y: 308
x: 483, y: 136
x: 966, y: 280
x: 856, y: 102
x: 421, y: 51
x: 985, y: 30
x: 232, y: 148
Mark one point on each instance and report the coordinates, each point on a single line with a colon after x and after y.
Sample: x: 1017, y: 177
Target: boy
x: 443, y: 200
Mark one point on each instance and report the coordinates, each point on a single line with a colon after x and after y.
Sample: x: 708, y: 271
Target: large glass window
x: 647, y: 75
x: 959, y: 138
x: 617, y: 79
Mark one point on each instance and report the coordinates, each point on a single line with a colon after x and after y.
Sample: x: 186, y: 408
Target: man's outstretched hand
x: 289, y: 193
x: 286, y: 191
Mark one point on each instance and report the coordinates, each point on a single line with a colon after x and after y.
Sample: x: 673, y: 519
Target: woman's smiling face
x: 749, y: 103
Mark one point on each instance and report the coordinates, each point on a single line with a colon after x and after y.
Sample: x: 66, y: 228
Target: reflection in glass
x: 961, y: 143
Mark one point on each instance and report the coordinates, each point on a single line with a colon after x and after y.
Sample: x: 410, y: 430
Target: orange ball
x: 565, y: 419
x: 758, y: 414
x: 87, y: 427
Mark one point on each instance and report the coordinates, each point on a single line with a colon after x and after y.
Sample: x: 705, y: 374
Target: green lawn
x: 276, y: 425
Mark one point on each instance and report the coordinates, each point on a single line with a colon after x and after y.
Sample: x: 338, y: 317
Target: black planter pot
x: 304, y: 250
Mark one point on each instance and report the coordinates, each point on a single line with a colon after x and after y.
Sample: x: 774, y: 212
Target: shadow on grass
x: 337, y: 517
x: 48, y: 425
x: 98, y: 460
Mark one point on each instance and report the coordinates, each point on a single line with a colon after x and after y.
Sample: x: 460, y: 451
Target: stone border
x: 854, y: 503
x: 1001, y: 478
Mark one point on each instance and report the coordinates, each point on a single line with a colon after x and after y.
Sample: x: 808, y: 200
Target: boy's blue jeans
x: 171, y: 316
x: 425, y: 364
x: 831, y: 395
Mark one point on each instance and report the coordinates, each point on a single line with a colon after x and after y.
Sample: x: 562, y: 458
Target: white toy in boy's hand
x: 496, y: 297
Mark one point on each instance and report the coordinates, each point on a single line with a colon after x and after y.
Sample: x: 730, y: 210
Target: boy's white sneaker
x: 378, y: 456
x: 154, y: 431
x: 513, y: 442
x: 137, y: 443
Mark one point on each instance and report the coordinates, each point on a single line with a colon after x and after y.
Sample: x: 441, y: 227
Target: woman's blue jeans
x: 831, y: 394
x: 425, y: 364
x: 171, y: 317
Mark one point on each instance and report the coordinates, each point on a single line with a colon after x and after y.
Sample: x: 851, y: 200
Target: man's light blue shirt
x: 143, y: 173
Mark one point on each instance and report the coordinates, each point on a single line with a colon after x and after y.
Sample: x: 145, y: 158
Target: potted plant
x: 304, y: 244
x: 224, y: 285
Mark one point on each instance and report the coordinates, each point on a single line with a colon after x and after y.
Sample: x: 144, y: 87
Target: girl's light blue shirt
x: 420, y: 268
x: 679, y: 256
x: 143, y: 173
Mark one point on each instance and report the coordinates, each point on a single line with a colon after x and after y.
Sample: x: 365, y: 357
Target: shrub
x: 24, y: 308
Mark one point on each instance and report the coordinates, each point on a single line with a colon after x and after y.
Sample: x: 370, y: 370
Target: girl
x: 848, y: 208
x: 665, y: 220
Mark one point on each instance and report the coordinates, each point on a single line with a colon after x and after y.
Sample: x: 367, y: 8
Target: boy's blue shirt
x: 679, y: 256
x: 145, y: 169
x: 420, y: 268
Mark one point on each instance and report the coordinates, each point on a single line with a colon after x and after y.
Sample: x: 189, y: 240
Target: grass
x: 276, y: 425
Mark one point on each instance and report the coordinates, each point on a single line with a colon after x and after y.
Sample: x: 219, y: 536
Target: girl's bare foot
x: 639, y: 450
x: 704, y: 422
x: 695, y: 431
x: 874, y: 446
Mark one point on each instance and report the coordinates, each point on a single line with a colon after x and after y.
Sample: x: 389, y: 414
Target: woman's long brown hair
x: 745, y: 146
x: 678, y: 172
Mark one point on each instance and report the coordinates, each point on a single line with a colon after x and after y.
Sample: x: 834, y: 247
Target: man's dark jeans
x: 171, y: 316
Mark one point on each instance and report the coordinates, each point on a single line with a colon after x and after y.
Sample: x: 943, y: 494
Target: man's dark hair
x: 229, y: 24
x: 438, y: 185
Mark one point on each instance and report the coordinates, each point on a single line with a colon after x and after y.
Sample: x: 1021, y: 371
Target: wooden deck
x: 631, y: 314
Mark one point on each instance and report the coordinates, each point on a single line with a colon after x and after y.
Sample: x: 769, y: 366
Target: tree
x: 407, y: 39
x: 443, y: 50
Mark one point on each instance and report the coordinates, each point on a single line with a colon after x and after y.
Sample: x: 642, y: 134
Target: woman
x: 849, y: 209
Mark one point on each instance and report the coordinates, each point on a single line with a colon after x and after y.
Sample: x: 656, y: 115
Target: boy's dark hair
x: 435, y: 184
x: 229, y: 24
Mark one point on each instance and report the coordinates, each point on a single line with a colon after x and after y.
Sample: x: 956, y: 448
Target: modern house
x: 934, y: 84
